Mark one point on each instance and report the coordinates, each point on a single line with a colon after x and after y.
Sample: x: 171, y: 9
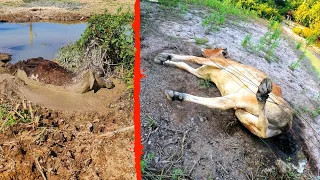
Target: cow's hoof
x: 162, y: 58
x: 172, y: 95
x: 169, y: 94
x: 264, y: 89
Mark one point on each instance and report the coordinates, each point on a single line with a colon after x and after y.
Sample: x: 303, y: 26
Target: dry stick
x: 39, y: 167
x: 19, y: 114
x: 183, y: 139
x: 112, y: 133
x: 193, y: 166
x: 38, y: 136
x: 30, y: 110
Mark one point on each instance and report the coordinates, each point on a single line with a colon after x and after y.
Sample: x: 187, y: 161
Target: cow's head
x: 217, y: 52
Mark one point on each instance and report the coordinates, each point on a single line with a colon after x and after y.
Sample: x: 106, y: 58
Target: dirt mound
x: 192, y: 141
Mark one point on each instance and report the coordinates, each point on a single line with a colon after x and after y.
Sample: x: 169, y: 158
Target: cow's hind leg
x: 251, y: 122
x: 223, y: 103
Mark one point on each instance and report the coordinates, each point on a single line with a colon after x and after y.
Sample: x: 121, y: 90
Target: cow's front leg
x: 163, y: 57
x: 223, y: 103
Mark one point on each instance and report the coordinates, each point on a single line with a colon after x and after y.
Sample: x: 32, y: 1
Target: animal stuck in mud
x: 257, y: 101
x: 49, y: 72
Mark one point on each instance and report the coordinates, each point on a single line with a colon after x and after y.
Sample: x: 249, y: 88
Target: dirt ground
x: 182, y: 139
x: 58, y: 10
x: 71, y: 136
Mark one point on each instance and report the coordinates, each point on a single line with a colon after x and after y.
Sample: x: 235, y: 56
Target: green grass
x: 247, y: 40
x: 11, y: 118
x: 200, y: 41
x: 218, y: 10
x: 206, y: 83
x: 267, y: 43
x: 144, y: 163
x: 314, y: 61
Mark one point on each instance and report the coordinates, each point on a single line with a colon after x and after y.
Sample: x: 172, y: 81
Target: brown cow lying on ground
x: 261, y: 108
x: 49, y: 72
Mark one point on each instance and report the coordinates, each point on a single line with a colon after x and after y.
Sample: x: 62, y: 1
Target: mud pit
x: 205, y: 143
x: 70, y: 136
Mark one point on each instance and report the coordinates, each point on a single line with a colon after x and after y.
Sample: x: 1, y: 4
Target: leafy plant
x: 152, y: 123
x: 247, y: 40
x: 309, y: 41
x: 107, y: 44
x: 177, y: 174
x: 206, y: 83
x: 214, y: 20
x: 146, y: 161
x: 267, y: 43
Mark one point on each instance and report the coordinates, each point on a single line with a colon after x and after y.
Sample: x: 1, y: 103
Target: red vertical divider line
x: 136, y: 91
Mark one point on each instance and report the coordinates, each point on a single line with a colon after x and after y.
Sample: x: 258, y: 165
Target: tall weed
x: 267, y: 43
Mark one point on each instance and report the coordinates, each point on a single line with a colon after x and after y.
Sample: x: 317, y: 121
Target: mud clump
x: 4, y: 59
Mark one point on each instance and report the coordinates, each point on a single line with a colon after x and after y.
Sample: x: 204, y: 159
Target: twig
x: 39, y: 167
x: 19, y: 114
x: 193, y: 166
x: 30, y: 110
x: 112, y: 133
x: 183, y: 139
x: 38, y: 136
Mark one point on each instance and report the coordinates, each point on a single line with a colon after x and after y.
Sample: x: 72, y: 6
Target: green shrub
x: 107, y: 44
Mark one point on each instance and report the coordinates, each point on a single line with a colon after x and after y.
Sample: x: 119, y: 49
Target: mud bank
x: 57, y: 11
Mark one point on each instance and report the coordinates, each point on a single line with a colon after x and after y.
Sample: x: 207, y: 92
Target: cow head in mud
x: 49, y: 72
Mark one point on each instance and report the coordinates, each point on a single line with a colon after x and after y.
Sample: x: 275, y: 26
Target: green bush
x: 107, y: 43
x: 264, y: 9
